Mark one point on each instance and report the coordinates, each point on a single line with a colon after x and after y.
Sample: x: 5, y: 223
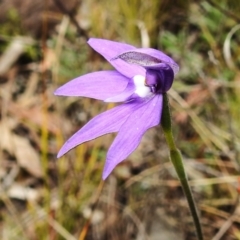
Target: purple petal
x: 123, y: 96
x: 131, y: 132
x: 109, y: 50
x: 98, y: 85
x: 106, y: 122
x: 148, y: 58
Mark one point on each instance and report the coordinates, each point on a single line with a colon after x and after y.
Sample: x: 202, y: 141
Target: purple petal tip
x: 106, y: 173
x: 56, y: 92
x: 60, y: 153
x: 104, y: 177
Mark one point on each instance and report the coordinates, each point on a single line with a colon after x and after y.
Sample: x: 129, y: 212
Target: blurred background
x: 42, y: 46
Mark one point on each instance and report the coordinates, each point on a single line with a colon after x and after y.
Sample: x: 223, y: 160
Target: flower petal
x: 131, y: 132
x: 110, y: 49
x: 123, y: 96
x: 106, y: 122
x: 148, y: 58
x: 99, y: 85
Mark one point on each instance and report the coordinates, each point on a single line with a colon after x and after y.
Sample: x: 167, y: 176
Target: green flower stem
x: 176, y: 158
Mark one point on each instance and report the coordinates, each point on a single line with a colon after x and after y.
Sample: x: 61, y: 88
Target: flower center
x: 159, y: 80
x: 141, y: 88
x: 153, y: 80
x: 156, y: 81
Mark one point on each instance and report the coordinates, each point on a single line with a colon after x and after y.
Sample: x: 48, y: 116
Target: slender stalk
x: 176, y: 158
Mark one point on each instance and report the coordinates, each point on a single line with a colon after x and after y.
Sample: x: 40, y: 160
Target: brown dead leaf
x: 21, y: 148
x: 27, y: 156
x: 35, y: 115
x: 201, y: 93
x: 198, y: 96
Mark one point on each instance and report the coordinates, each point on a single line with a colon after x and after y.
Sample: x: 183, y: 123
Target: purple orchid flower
x: 142, y: 75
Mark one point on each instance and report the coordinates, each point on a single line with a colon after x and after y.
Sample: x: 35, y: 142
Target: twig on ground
x: 224, y: 11
x: 64, y: 10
